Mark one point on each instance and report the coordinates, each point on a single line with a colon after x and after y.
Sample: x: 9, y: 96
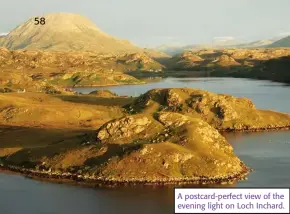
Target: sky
x: 151, y: 23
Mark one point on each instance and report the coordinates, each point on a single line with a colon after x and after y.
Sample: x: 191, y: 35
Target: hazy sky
x: 157, y: 22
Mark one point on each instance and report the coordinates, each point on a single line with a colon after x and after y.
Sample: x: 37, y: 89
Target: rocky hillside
x: 64, y: 32
x: 168, y: 147
x: 154, y: 147
x: 274, y: 69
x: 164, y: 136
x: 248, y: 63
x: 27, y: 60
x: 139, y: 62
x: 223, y: 112
x: 30, y: 69
x: 209, y: 57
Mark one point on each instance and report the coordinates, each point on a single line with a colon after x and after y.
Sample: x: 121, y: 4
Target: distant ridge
x: 285, y: 42
x: 64, y: 32
x: 173, y: 50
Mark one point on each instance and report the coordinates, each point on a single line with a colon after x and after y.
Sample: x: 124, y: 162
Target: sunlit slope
x: 64, y: 32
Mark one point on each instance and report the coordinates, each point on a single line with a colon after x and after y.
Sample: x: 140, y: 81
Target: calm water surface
x: 268, y: 153
x: 265, y: 94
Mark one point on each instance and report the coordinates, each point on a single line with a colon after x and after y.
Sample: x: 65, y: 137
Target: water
x: 26, y: 196
x: 265, y: 94
x: 267, y: 152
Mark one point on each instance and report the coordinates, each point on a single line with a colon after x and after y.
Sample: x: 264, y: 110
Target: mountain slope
x: 64, y: 32
x: 255, y: 44
x: 285, y: 42
x: 174, y: 50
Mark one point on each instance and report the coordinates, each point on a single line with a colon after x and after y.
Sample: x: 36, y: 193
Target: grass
x: 94, y: 135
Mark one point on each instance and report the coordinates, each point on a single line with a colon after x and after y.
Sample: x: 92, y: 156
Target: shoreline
x: 87, y: 180
x: 266, y: 129
x: 109, y: 85
x: 188, y: 73
x: 67, y: 177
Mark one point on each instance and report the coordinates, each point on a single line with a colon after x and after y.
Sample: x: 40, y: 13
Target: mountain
x: 255, y: 44
x: 285, y: 42
x: 173, y: 50
x: 225, y: 42
x: 64, y: 32
x: 1, y: 38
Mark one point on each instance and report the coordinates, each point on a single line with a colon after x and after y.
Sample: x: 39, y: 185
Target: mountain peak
x: 68, y: 22
x: 63, y: 32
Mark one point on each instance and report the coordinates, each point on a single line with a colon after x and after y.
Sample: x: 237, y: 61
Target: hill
x: 256, y: 63
x: 273, y: 69
x: 33, y: 70
x: 104, y: 143
x: 285, y: 42
x: 173, y: 50
x: 255, y: 44
x: 223, y: 112
x: 224, y: 59
x: 64, y: 32
x: 163, y: 136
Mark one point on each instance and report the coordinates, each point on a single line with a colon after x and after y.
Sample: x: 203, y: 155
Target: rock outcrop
x: 223, y: 112
x: 166, y: 136
x: 179, y: 148
x: 122, y: 128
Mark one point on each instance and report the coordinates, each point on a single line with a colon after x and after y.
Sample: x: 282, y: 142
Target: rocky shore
x: 264, y: 129
x: 165, y: 136
x: 99, y: 181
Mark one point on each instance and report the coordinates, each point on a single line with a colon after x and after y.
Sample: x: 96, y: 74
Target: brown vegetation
x: 167, y: 135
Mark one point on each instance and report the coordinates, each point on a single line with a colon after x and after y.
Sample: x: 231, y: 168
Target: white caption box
x: 231, y: 200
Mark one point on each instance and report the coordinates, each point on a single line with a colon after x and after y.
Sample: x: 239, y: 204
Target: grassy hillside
x: 163, y: 136
x: 32, y: 70
x: 100, y: 141
x: 262, y: 63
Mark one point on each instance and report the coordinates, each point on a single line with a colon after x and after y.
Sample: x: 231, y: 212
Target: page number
x: 39, y: 20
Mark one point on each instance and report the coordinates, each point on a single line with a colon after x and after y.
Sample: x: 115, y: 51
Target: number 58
x: 39, y: 21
